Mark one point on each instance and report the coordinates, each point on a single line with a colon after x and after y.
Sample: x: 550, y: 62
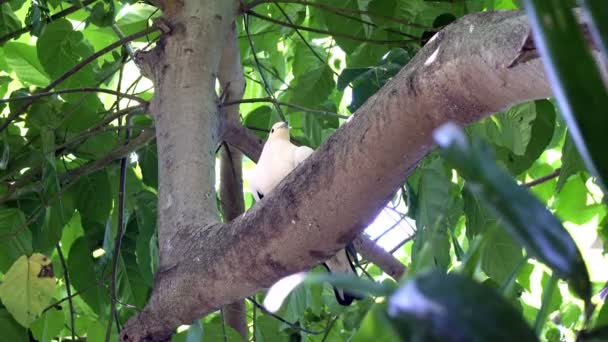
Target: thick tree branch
x: 460, y: 75
x: 246, y: 141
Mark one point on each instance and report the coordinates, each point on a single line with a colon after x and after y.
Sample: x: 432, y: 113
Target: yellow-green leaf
x: 28, y: 287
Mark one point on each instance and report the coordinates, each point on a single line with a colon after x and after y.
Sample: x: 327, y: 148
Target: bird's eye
x: 272, y: 130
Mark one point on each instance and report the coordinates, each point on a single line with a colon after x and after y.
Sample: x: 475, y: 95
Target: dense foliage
x: 75, y: 133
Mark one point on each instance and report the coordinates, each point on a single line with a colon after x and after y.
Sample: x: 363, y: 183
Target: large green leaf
x: 571, y: 163
x: 48, y: 326
x: 84, y: 277
x: 375, y: 326
x: 59, y: 48
x: 11, y: 330
x: 8, y: 20
x: 436, y: 306
x: 523, y: 215
x: 541, y: 133
x: 28, y: 287
x: 15, y: 237
x: 339, y: 23
x: 500, y: 255
x: 23, y: 60
x: 146, y: 244
x: 94, y: 197
x: 315, y: 80
x: 433, y: 202
x: 579, y: 89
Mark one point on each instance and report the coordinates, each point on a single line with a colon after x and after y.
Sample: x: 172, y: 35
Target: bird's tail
x: 343, y: 262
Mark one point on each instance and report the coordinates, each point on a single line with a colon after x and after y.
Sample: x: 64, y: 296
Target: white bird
x: 279, y: 157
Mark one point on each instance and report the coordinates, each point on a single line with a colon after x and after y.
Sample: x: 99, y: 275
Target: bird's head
x: 279, y: 130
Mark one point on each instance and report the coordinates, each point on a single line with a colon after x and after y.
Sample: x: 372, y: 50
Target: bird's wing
x: 276, y: 161
x: 301, y: 153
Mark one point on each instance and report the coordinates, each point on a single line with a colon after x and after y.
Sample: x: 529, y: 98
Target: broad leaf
x: 526, y: 219
x: 436, y: 306
x: 580, y: 91
x: 28, y: 287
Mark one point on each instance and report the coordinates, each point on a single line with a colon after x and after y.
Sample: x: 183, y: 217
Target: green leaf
x: 215, y: 330
x: 102, y: 13
x: 525, y: 218
x: 57, y: 216
x: 28, y: 287
x: 500, y: 255
x: 11, y: 330
x: 15, y: 237
x: 146, y: 245
x: 268, y: 329
x: 37, y: 16
x: 579, y: 89
x: 132, y: 288
x: 375, y: 326
x: 84, y: 277
x: 451, y: 307
x: 94, y: 197
x: 513, y: 128
x: 350, y: 24
x: 571, y: 163
x: 59, y: 48
x: 541, y: 133
x: 315, y: 80
x: 432, y: 211
x: 48, y: 326
x: 148, y: 162
x: 8, y: 20
x: 23, y: 60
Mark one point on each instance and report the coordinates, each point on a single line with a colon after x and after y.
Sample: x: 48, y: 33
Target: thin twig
x: 330, y: 33
x: 76, y: 68
x: 75, y: 90
x: 68, y: 290
x: 279, y: 103
x: 400, y: 244
x: 543, y: 179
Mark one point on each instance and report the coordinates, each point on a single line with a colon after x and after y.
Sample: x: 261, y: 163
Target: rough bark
x: 460, y: 75
x: 232, y: 82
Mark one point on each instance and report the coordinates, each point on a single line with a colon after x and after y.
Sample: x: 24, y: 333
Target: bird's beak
x: 284, y: 125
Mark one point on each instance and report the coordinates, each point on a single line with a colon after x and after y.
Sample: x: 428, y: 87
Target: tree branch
x: 376, y: 254
x: 231, y: 79
x: 325, y: 202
